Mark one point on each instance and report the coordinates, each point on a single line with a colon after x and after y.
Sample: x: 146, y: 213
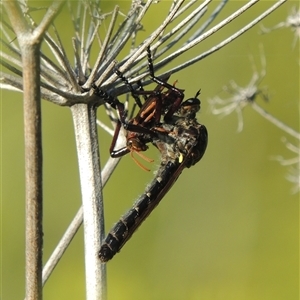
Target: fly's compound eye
x: 190, y: 107
x: 191, y: 102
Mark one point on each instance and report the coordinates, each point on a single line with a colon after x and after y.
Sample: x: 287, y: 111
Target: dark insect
x: 171, y: 126
x: 182, y: 146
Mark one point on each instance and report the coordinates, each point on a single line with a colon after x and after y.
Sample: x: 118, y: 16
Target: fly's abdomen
x: 131, y: 220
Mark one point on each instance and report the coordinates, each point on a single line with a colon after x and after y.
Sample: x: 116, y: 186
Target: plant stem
x: 84, y: 117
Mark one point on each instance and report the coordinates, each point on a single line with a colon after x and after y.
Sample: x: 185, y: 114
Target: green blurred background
x: 228, y: 229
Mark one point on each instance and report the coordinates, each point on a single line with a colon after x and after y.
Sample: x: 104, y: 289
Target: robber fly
x: 181, y: 146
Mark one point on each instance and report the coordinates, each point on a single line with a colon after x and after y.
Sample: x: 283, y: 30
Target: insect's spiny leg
x: 150, y: 62
x: 157, y: 79
x: 129, y: 85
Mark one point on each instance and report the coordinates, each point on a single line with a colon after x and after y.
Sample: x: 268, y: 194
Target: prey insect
x: 140, y: 129
x: 182, y: 147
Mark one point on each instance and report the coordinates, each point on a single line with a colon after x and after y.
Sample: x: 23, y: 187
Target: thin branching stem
x: 91, y: 78
x: 275, y: 121
x: 193, y: 17
x: 225, y: 42
x: 205, y: 25
x: 140, y: 52
x: 215, y: 48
